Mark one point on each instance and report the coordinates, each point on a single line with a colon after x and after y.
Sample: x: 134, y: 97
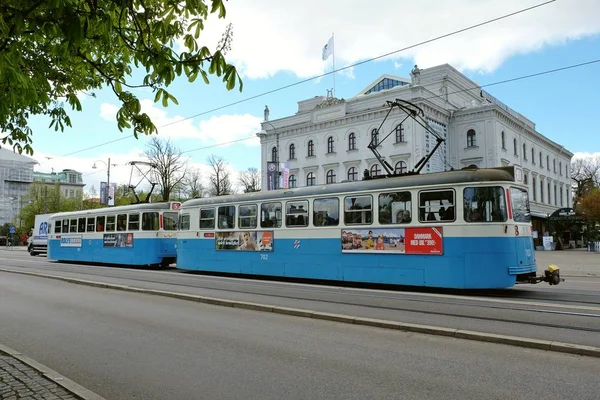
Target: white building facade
x: 326, y: 140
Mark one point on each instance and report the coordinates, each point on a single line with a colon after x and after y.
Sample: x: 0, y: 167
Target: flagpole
x: 333, y: 54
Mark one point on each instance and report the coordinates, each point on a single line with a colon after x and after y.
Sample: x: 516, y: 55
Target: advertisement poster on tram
x: 426, y: 240
x: 244, y: 240
x: 121, y: 240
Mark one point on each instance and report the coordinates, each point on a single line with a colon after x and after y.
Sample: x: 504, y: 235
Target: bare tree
x: 249, y: 180
x: 192, y: 184
x: 220, y: 182
x: 585, y: 173
x: 170, y: 167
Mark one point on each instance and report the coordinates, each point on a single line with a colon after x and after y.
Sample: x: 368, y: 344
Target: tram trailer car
x: 463, y: 229
x: 136, y: 235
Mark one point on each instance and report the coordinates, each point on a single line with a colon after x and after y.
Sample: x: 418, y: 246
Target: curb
x: 76, y: 390
x: 548, y: 345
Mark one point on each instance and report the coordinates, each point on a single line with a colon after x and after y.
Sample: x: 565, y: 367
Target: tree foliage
x: 52, y: 51
x: 43, y: 199
x: 589, y: 206
x: 250, y: 180
x: 219, y: 180
x: 585, y: 174
x: 170, y: 167
x: 192, y: 184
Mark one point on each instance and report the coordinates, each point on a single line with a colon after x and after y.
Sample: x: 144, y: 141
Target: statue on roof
x: 415, y: 74
x: 266, y: 113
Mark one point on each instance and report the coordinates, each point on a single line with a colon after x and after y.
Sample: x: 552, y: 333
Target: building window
x: 292, y: 181
x: 561, y: 196
x: 554, y: 165
x: 274, y: 154
x: 311, y: 148
x: 515, y: 146
x: 310, y: 179
x: 532, y: 155
x: 541, y: 191
x: 471, y: 142
x: 541, y: 163
x: 352, y: 141
x: 560, y: 168
x: 72, y: 178
x: 567, y: 175
x: 555, y: 196
x: 400, y: 134
x: 352, y: 174
x: 330, y: 148
x: 330, y: 176
x: 534, y: 189
x: 375, y: 137
x: 548, y: 162
x: 525, y: 179
x: 400, y: 167
x: 292, y: 151
x: 524, y: 152
x: 375, y: 170
x: 71, y: 193
x: 503, y: 138
x: 549, y: 194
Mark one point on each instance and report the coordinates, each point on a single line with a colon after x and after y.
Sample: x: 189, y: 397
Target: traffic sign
x: 12, y: 230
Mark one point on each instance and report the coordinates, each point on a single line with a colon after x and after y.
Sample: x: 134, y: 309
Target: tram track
x: 374, y: 301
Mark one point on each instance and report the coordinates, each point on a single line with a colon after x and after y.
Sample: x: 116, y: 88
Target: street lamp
x: 107, y: 191
x: 277, y: 147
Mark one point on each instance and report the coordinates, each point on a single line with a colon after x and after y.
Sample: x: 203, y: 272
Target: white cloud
x: 215, y: 130
x: 272, y: 36
x: 584, y: 155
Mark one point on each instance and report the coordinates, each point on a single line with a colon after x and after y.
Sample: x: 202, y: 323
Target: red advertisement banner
x: 426, y: 240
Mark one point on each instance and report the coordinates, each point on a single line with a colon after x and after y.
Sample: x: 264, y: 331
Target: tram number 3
x: 264, y: 257
x: 516, y: 230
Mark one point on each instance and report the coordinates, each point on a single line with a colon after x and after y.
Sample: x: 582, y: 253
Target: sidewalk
x: 24, y: 379
x: 578, y: 262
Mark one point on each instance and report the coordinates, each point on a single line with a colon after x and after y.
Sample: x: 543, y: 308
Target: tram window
x: 100, y: 224
x: 110, y: 223
x: 326, y: 212
x: 270, y: 215
x: 184, y: 222
x: 73, y: 226
x: 57, y: 226
x: 484, y: 204
x: 170, y: 221
x: 121, y: 222
x: 81, y: 225
x: 436, y: 205
x: 358, y: 210
x: 65, y: 226
x: 150, y: 221
x: 296, y: 213
x: 134, y: 222
x: 520, y: 205
x: 226, y: 217
x: 247, y: 217
x: 395, y: 208
x: 91, y: 224
x: 207, y: 218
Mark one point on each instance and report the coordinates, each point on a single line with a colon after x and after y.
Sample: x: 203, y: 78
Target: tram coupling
x: 551, y: 275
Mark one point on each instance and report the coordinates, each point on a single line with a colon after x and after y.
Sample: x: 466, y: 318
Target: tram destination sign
x: 422, y: 240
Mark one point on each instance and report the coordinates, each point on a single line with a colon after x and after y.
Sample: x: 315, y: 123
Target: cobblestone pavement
x: 577, y: 262
x: 19, y: 381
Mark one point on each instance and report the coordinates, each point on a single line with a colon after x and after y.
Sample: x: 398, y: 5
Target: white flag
x: 328, y: 49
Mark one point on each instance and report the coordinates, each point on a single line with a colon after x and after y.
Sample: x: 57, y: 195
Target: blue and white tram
x: 460, y: 229
x: 138, y: 234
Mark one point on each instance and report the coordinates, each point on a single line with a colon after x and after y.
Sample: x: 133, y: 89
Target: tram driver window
x: 326, y: 212
x: 296, y: 213
x: 226, y: 217
x: 150, y: 221
x: 247, y: 217
x: 207, y: 218
x: 358, y: 210
x: 436, y: 205
x: 121, y: 222
x: 170, y: 221
x: 57, y: 226
x: 484, y: 204
x: 395, y: 208
x: 270, y: 215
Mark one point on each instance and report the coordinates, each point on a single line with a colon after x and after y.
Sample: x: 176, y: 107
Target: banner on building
x: 271, y: 175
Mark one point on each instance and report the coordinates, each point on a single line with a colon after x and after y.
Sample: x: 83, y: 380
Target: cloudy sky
x: 277, y: 43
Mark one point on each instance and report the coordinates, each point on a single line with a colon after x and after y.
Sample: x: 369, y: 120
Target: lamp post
x: 107, y: 191
x: 277, y: 147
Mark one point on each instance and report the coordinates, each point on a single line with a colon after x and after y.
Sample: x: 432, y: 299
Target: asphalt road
x: 569, y: 312
x: 133, y: 346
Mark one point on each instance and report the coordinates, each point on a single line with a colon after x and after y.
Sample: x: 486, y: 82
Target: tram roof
x: 501, y: 174
x: 115, y: 210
